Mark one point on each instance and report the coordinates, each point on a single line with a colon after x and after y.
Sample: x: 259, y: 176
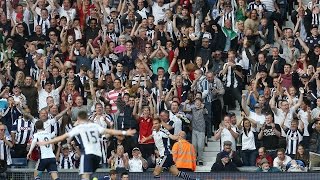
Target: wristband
x: 124, y: 133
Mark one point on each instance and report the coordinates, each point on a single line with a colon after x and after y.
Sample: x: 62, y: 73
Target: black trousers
x: 231, y: 95
x: 216, y: 113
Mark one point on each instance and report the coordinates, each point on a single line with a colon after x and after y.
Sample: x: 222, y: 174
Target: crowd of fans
x: 185, y: 62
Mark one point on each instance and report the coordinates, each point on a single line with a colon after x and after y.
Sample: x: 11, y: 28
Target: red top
x: 171, y: 56
x: 145, y: 129
x: 268, y: 157
x: 191, y: 76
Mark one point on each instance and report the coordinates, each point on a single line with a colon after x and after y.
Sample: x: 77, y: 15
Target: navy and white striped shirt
x: 162, y: 142
x: 293, y: 139
x: 67, y: 162
x: 24, y: 130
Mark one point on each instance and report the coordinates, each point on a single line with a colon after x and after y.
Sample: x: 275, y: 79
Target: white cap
x: 40, y: 51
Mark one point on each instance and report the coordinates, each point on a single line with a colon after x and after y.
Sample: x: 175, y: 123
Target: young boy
x: 198, y: 128
x: 47, y: 159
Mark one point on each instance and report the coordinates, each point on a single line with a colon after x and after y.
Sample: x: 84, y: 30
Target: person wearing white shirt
x: 137, y: 163
x: 281, y: 160
x: 315, y: 113
x: 257, y: 116
x: 142, y: 10
x: 285, y: 112
x: 159, y: 9
x: 47, y: 157
x: 226, y: 132
x: 48, y: 91
x: 66, y: 10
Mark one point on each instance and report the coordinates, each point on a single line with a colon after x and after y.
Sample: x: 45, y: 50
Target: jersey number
x: 92, y: 138
x: 46, y: 139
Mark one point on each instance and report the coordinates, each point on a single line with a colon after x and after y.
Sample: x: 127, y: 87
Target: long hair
x: 246, y: 131
x: 66, y: 119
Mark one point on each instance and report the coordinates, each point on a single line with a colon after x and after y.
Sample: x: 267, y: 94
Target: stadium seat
x: 19, y: 162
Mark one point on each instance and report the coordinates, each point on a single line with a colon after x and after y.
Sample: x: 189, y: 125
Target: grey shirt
x: 198, y: 121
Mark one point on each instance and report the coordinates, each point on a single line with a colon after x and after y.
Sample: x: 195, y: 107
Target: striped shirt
x: 112, y: 96
x: 314, y: 8
x: 293, y: 138
x: 23, y: 129
x: 5, y: 151
x: 204, y: 87
x: 67, y: 162
x: 161, y: 139
x: 269, y: 5
x: 254, y: 5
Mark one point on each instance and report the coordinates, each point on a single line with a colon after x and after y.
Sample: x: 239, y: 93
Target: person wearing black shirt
x: 270, y: 134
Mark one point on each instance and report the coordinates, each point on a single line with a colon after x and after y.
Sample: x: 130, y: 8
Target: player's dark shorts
x: 49, y: 164
x: 166, y: 161
x: 89, y: 163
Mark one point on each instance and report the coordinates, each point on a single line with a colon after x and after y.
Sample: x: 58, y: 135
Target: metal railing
x: 27, y: 174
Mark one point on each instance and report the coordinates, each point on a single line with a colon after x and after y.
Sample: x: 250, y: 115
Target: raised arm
x: 302, y: 43
x: 63, y: 82
x: 272, y: 73
x: 244, y: 105
x: 296, y: 106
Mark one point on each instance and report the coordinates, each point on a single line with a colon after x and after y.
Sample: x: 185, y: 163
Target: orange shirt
x: 184, y: 155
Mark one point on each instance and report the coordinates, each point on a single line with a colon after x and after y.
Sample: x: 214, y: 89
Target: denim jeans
x: 249, y: 157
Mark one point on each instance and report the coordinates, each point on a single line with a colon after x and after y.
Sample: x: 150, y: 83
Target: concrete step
x: 214, y: 144
x: 208, y: 163
x: 212, y: 149
x: 203, y: 169
x: 210, y: 154
x: 209, y: 159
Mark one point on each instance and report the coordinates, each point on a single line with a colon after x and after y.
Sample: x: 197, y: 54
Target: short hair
x: 124, y: 174
x: 281, y: 150
x: 165, y: 111
x: 82, y: 115
x: 198, y: 99
x: 39, y: 125
x: 157, y: 119
x: 160, y: 68
x: 112, y: 172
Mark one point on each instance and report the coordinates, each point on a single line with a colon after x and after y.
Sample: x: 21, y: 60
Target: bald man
x: 184, y: 154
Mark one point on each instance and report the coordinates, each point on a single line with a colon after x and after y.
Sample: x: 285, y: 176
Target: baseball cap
x: 304, y: 75
x: 128, y: 26
x: 136, y: 149
x: 113, y: 9
x: 317, y: 46
x: 314, y: 26
x: 40, y: 51
x: 224, y: 154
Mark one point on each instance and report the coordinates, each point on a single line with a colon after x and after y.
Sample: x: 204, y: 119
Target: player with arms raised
x: 47, y: 159
x: 90, y: 146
